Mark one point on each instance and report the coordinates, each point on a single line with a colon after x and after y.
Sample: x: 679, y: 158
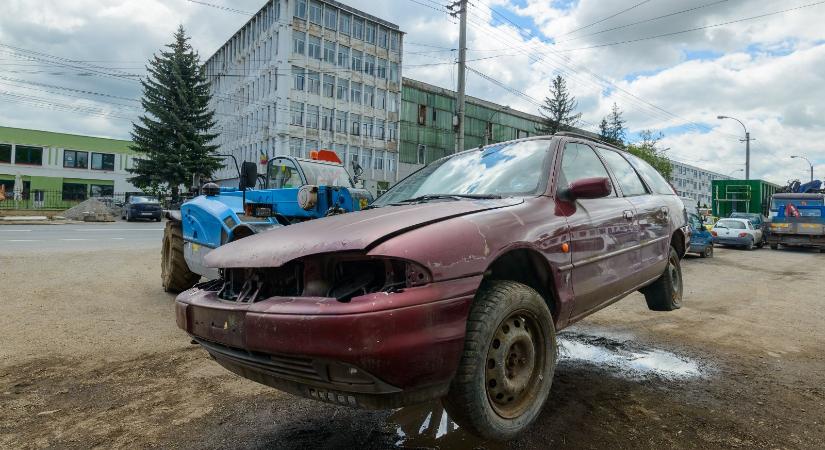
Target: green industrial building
x: 427, y: 131
x: 57, y: 169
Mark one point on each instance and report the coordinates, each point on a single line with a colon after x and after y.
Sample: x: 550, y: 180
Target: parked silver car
x: 738, y: 232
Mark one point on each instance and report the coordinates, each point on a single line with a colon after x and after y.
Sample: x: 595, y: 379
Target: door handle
x: 628, y: 215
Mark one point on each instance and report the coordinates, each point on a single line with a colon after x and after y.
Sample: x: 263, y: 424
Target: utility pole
x: 747, y: 155
x: 462, y: 70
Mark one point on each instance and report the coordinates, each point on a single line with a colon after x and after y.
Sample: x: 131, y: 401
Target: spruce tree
x: 174, y: 136
x: 558, y: 109
x: 611, y: 128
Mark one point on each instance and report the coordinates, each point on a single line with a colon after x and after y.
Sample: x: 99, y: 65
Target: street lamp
x: 809, y: 163
x: 737, y: 170
x: 747, y: 146
x: 488, y: 132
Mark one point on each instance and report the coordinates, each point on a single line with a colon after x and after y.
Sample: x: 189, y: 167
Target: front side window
x: 578, y: 162
x: 283, y: 174
x: 652, y: 176
x: 103, y: 161
x: 28, y: 155
x: 625, y: 174
x: 75, y: 160
x: 512, y: 169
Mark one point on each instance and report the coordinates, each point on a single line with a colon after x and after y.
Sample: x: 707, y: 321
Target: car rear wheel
x: 507, y: 366
x: 175, y: 273
x: 774, y: 246
x: 665, y: 294
x: 749, y: 245
x: 129, y: 216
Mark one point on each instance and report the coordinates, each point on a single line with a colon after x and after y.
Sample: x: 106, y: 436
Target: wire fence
x: 62, y: 200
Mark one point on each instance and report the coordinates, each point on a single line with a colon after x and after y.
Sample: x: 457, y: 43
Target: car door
x: 651, y: 215
x: 603, y: 238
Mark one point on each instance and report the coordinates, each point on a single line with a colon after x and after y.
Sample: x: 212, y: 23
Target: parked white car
x: 738, y: 232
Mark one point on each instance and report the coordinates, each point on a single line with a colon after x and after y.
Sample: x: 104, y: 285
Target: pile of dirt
x: 91, y: 210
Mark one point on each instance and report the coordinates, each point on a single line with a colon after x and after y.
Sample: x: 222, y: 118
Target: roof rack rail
x: 585, y: 136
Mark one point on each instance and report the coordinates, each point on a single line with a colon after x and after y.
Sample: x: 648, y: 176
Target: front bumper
x: 381, y: 350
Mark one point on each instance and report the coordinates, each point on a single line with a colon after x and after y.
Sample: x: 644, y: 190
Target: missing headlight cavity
x: 252, y: 285
x: 360, y: 277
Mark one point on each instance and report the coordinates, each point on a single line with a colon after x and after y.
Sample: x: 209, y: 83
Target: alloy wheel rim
x: 515, y: 359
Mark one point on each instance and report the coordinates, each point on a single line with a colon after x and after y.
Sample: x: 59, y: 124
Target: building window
x: 379, y: 129
x: 395, y: 39
x: 391, y: 131
x: 352, y: 156
x: 422, y: 114
x: 366, y: 158
x: 329, y: 86
x: 357, y: 28
x: 422, y: 154
x: 355, y: 127
x: 330, y: 18
x: 356, y: 60
x: 102, y: 190
x: 381, y: 69
x: 392, y: 101
x: 379, y: 160
x: 312, y: 116
x: 310, y: 146
x: 301, y: 9
x: 313, y: 82
x: 102, y: 161
x: 369, y: 64
x: 315, y: 9
x: 298, y: 77
x: 381, y: 99
x: 326, y: 119
x: 5, y: 153
x: 296, y: 147
x: 522, y: 134
x: 74, y: 191
x: 369, y: 96
x: 343, y: 56
x: 366, y: 127
x: 297, y: 113
x: 314, y: 50
x: 28, y: 155
x: 394, y: 72
x: 369, y: 36
x: 391, y: 161
x: 356, y: 93
x: 342, y: 90
x: 75, y: 160
x: 298, y: 42
x: 383, y: 37
x: 329, y: 51
x: 341, y: 122
x: 344, y: 23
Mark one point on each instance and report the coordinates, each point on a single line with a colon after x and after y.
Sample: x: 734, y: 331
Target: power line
x: 224, y: 8
x: 607, y: 18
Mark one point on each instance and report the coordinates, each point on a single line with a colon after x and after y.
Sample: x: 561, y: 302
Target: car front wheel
x: 507, y: 367
x: 708, y: 253
x: 665, y: 294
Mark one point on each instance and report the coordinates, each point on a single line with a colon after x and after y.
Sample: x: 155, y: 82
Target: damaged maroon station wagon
x: 451, y: 285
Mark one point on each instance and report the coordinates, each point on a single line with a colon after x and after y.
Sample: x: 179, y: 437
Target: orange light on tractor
x: 325, y: 155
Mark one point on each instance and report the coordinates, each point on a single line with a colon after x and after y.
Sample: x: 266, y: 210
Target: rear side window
x: 628, y: 178
x: 654, y: 179
x: 578, y: 162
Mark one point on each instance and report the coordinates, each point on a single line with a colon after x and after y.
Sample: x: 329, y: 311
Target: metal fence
x: 61, y: 200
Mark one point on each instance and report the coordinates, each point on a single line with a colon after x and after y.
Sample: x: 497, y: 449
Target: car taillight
x: 713, y: 233
x: 743, y: 234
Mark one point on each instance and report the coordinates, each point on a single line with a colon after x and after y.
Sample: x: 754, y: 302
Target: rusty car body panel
x: 402, y: 346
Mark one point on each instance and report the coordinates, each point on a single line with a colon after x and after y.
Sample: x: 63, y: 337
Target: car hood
x: 346, y: 232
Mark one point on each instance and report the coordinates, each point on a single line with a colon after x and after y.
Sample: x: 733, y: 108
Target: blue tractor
x: 292, y: 190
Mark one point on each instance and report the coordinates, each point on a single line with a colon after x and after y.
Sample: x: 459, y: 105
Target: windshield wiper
x: 424, y: 198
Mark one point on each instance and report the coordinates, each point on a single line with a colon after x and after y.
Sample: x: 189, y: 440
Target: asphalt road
x: 78, y: 237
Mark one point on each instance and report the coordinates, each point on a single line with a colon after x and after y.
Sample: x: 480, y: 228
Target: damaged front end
x: 341, y: 277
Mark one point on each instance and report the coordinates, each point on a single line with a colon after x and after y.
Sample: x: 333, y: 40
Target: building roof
x: 62, y: 140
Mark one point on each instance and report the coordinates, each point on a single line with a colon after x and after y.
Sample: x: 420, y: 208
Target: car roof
x: 736, y: 219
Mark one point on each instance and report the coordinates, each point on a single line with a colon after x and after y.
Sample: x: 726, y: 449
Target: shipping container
x: 750, y: 196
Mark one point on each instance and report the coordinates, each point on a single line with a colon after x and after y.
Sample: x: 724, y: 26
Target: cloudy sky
x: 671, y: 66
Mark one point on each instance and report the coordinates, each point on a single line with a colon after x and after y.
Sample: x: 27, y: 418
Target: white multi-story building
x: 694, y: 182
x: 303, y: 75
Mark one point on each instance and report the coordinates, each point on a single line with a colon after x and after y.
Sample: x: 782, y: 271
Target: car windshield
x: 321, y: 174
x: 139, y: 199
x: 734, y: 224
x: 494, y: 171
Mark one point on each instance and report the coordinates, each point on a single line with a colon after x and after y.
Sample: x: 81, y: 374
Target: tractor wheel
x: 175, y: 273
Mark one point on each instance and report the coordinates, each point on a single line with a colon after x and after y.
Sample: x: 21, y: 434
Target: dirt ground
x: 90, y: 357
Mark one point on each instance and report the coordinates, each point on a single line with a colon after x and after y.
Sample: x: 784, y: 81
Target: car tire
x: 708, y: 253
x: 508, y: 362
x: 749, y: 245
x: 774, y: 246
x: 175, y: 273
x: 665, y: 294
x: 129, y: 217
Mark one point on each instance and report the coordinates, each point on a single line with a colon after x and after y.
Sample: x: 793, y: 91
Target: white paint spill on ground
x: 627, y: 359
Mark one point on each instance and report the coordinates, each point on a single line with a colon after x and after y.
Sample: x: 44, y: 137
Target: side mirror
x: 249, y: 176
x: 588, y: 188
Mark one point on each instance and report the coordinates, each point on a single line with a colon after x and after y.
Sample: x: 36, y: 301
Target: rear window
x: 732, y: 224
x: 651, y: 176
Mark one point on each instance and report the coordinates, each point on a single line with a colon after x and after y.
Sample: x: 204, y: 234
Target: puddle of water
x: 631, y: 361
x: 429, y: 426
